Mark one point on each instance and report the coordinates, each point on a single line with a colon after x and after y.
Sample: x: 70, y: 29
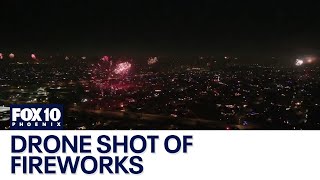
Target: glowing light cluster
x: 11, y: 55
x: 311, y: 60
x: 152, y: 60
x: 105, y: 58
x: 306, y: 60
x: 1, y: 56
x: 122, y: 68
x: 33, y: 56
x: 100, y: 75
x: 299, y: 62
x: 109, y: 76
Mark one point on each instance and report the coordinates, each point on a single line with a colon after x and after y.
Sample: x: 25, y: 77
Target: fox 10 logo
x: 36, y: 117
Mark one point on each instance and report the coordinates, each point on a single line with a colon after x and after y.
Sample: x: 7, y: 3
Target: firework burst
x: 122, y: 68
x: 33, y: 56
x: 152, y: 60
x: 105, y: 58
x: 11, y: 56
x: 299, y: 62
x: 106, y: 74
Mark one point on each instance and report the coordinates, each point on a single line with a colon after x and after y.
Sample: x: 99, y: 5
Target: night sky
x: 260, y: 28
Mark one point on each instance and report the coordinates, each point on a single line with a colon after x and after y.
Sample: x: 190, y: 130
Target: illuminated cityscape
x: 117, y: 93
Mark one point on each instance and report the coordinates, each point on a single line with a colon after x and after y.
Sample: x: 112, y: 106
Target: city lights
x: 179, y: 92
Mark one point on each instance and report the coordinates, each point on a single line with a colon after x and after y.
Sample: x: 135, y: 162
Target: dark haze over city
x: 255, y: 31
